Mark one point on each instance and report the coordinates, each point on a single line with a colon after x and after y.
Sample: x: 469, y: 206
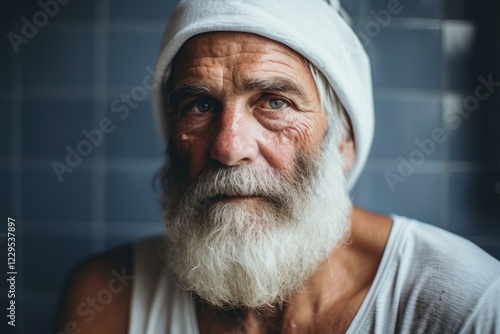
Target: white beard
x: 256, y: 252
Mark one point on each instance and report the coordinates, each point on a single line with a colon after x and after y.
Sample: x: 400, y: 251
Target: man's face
x: 243, y: 99
x: 255, y: 195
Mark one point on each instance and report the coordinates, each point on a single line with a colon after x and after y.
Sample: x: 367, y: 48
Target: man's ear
x: 348, y: 152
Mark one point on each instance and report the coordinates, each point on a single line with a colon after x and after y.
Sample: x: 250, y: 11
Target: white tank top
x: 158, y: 305
x: 421, y: 286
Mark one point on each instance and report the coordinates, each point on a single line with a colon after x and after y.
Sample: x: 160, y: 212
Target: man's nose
x: 235, y: 138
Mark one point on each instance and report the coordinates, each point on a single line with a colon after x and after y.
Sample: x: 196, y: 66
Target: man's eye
x: 204, y: 107
x: 199, y: 107
x: 276, y: 104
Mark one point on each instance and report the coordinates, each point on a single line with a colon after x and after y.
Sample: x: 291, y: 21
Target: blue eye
x: 276, y: 103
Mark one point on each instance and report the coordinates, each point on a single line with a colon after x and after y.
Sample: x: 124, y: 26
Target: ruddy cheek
x: 277, y: 150
x: 195, y: 148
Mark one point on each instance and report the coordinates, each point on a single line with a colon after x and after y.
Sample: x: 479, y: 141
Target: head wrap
x: 316, y: 29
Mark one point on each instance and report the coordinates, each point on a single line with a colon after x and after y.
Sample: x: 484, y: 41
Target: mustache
x: 220, y: 182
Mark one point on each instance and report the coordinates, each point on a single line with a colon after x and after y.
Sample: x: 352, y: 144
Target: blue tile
x: 53, y: 256
x: 42, y: 18
x: 403, y: 8
x: 459, y: 47
x: 351, y: 7
x: 457, y: 9
x: 5, y: 127
x: 73, y: 10
x: 474, y: 136
x: 404, y: 58
x: 113, y: 242
x: 130, y: 198
x: 147, y: 9
x: 50, y: 126
x: 399, y: 124
x: 78, y: 11
x: 474, y: 204
x: 419, y: 197
x: 129, y: 56
x: 40, y: 309
x: 3, y: 284
x: 59, y: 59
x: 11, y: 14
x: 119, y: 234
x: 6, y: 194
x: 6, y: 63
x: 46, y: 199
x: 136, y: 134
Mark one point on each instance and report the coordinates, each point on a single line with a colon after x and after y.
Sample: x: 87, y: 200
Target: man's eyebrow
x: 184, y: 91
x: 277, y: 85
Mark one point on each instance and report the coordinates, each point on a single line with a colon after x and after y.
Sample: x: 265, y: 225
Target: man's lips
x: 225, y: 198
x: 234, y: 198
x: 231, y: 198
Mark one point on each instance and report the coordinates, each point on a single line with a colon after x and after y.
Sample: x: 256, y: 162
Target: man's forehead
x: 216, y: 45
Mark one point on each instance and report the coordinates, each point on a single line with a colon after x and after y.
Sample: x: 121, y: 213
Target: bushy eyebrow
x: 182, y: 92
x: 278, y: 84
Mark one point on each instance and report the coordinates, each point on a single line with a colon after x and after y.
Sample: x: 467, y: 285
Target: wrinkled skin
x: 260, y: 104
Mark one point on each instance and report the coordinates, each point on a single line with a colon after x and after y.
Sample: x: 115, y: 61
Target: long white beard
x: 257, y: 252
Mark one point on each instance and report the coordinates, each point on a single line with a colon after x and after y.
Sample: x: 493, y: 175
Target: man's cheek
x: 196, y: 153
x: 279, y: 153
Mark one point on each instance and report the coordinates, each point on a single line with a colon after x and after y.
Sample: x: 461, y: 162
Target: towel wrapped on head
x: 318, y: 30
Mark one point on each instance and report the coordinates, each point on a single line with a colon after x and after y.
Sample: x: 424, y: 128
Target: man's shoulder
x: 443, y: 272
x: 432, y: 281
x: 436, y: 248
x: 96, y: 296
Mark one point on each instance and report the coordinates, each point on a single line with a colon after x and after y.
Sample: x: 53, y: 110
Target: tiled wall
x: 66, y: 78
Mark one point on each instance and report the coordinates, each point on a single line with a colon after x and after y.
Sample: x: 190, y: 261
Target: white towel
x: 312, y: 28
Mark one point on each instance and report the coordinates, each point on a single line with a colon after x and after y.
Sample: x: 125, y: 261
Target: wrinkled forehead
x: 221, y: 46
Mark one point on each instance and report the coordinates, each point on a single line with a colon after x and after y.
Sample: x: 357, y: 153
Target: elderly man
x: 266, y: 109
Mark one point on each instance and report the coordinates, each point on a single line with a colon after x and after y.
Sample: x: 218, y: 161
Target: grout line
x: 405, y: 94
x: 445, y: 151
x: 98, y: 165
x: 434, y: 166
x: 408, y: 23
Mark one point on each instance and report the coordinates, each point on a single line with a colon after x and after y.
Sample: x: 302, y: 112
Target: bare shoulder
x: 96, y: 297
x: 370, y: 230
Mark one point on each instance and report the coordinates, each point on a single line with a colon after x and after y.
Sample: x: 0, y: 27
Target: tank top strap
x: 158, y: 305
